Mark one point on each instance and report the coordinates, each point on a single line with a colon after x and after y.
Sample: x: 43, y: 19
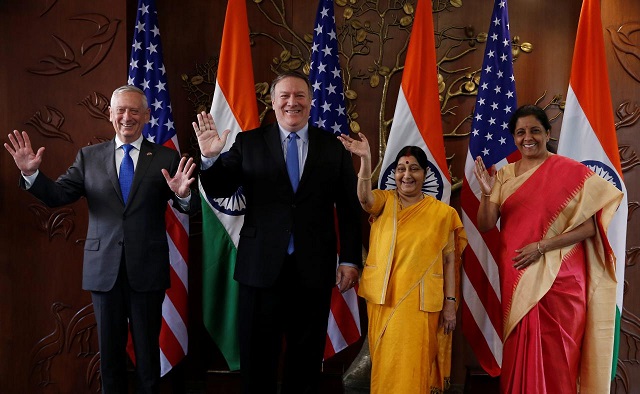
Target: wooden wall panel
x: 50, y: 86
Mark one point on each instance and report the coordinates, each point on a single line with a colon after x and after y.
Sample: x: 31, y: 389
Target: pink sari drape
x: 545, y: 310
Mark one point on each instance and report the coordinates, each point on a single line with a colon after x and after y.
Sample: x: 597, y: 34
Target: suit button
x: 120, y: 243
x: 293, y: 206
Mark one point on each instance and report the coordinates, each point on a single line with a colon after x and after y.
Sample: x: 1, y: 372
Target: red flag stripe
x: 348, y: 327
x: 329, y: 351
x: 178, y: 295
x: 177, y: 232
x: 170, y: 345
x: 481, y: 349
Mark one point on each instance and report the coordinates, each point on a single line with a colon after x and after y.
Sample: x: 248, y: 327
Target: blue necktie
x: 293, y: 168
x: 126, y: 172
x: 293, y: 162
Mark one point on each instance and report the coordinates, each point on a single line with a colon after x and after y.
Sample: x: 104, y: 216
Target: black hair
x: 528, y: 110
x: 416, y: 152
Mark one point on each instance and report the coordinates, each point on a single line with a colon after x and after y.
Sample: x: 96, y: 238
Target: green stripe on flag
x: 219, y: 289
x: 616, y: 344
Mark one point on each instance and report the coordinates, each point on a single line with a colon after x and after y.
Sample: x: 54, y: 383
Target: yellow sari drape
x: 402, y: 282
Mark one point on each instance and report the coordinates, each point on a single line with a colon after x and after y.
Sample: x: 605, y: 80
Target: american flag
x: 328, y: 112
x: 147, y: 71
x: 491, y: 140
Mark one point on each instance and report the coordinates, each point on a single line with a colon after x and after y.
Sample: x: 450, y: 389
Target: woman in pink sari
x: 557, y: 270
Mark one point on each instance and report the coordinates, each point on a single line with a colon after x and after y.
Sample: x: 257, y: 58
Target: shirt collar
x: 136, y: 144
x: 303, y: 133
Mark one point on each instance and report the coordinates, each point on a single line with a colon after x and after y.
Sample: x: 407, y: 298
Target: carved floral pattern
x: 56, y: 222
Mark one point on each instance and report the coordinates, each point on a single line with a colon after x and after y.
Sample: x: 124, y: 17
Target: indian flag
x: 417, y: 120
x: 588, y: 131
x: 234, y: 107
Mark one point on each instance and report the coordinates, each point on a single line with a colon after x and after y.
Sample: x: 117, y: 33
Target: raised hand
x: 26, y: 160
x: 182, y: 180
x: 485, y: 179
x: 358, y: 147
x: 210, y: 141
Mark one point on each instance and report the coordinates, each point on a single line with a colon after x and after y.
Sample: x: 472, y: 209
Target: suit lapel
x: 144, y: 161
x: 109, y: 158
x: 313, y: 151
x: 272, y: 139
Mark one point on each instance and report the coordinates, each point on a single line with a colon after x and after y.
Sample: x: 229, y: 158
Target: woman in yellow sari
x: 557, y: 270
x: 410, y: 279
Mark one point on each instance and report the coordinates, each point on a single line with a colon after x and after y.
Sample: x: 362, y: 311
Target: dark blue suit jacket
x: 256, y: 162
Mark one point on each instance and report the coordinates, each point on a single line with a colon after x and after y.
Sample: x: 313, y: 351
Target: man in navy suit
x: 286, y: 261
x: 126, y: 254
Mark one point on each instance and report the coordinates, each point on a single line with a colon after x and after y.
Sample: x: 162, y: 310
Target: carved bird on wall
x: 93, y: 376
x: 97, y: 105
x: 49, y: 123
x: 103, y: 37
x: 48, y: 348
x: 81, y: 327
x: 626, y: 48
x: 55, y: 65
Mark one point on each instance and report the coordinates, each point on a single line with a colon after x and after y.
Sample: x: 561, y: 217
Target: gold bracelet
x: 540, y: 250
x: 486, y: 195
x: 365, y: 179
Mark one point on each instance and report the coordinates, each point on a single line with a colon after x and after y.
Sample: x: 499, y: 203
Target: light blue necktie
x: 126, y: 172
x: 293, y: 168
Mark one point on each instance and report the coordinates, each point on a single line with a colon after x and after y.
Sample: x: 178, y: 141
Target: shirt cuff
x: 349, y: 265
x: 184, y: 202
x: 207, y: 162
x: 29, y: 179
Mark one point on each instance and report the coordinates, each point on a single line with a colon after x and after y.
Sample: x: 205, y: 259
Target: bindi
x: 407, y: 162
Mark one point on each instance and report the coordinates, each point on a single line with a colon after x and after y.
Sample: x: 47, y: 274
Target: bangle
x: 450, y: 299
x: 539, y: 249
x: 365, y: 179
x: 486, y: 195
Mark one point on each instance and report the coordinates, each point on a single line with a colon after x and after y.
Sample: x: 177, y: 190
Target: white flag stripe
x: 175, y: 323
x: 174, y: 139
x: 480, y: 249
x: 351, y: 298
x: 224, y: 117
x: 335, y: 335
x: 591, y: 148
x: 232, y: 224
x: 165, y: 365
x: 405, y: 125
x: 180, y: 266
x: 482, y: 321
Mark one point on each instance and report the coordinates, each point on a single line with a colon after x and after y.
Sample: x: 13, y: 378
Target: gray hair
x: 132, y: 89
